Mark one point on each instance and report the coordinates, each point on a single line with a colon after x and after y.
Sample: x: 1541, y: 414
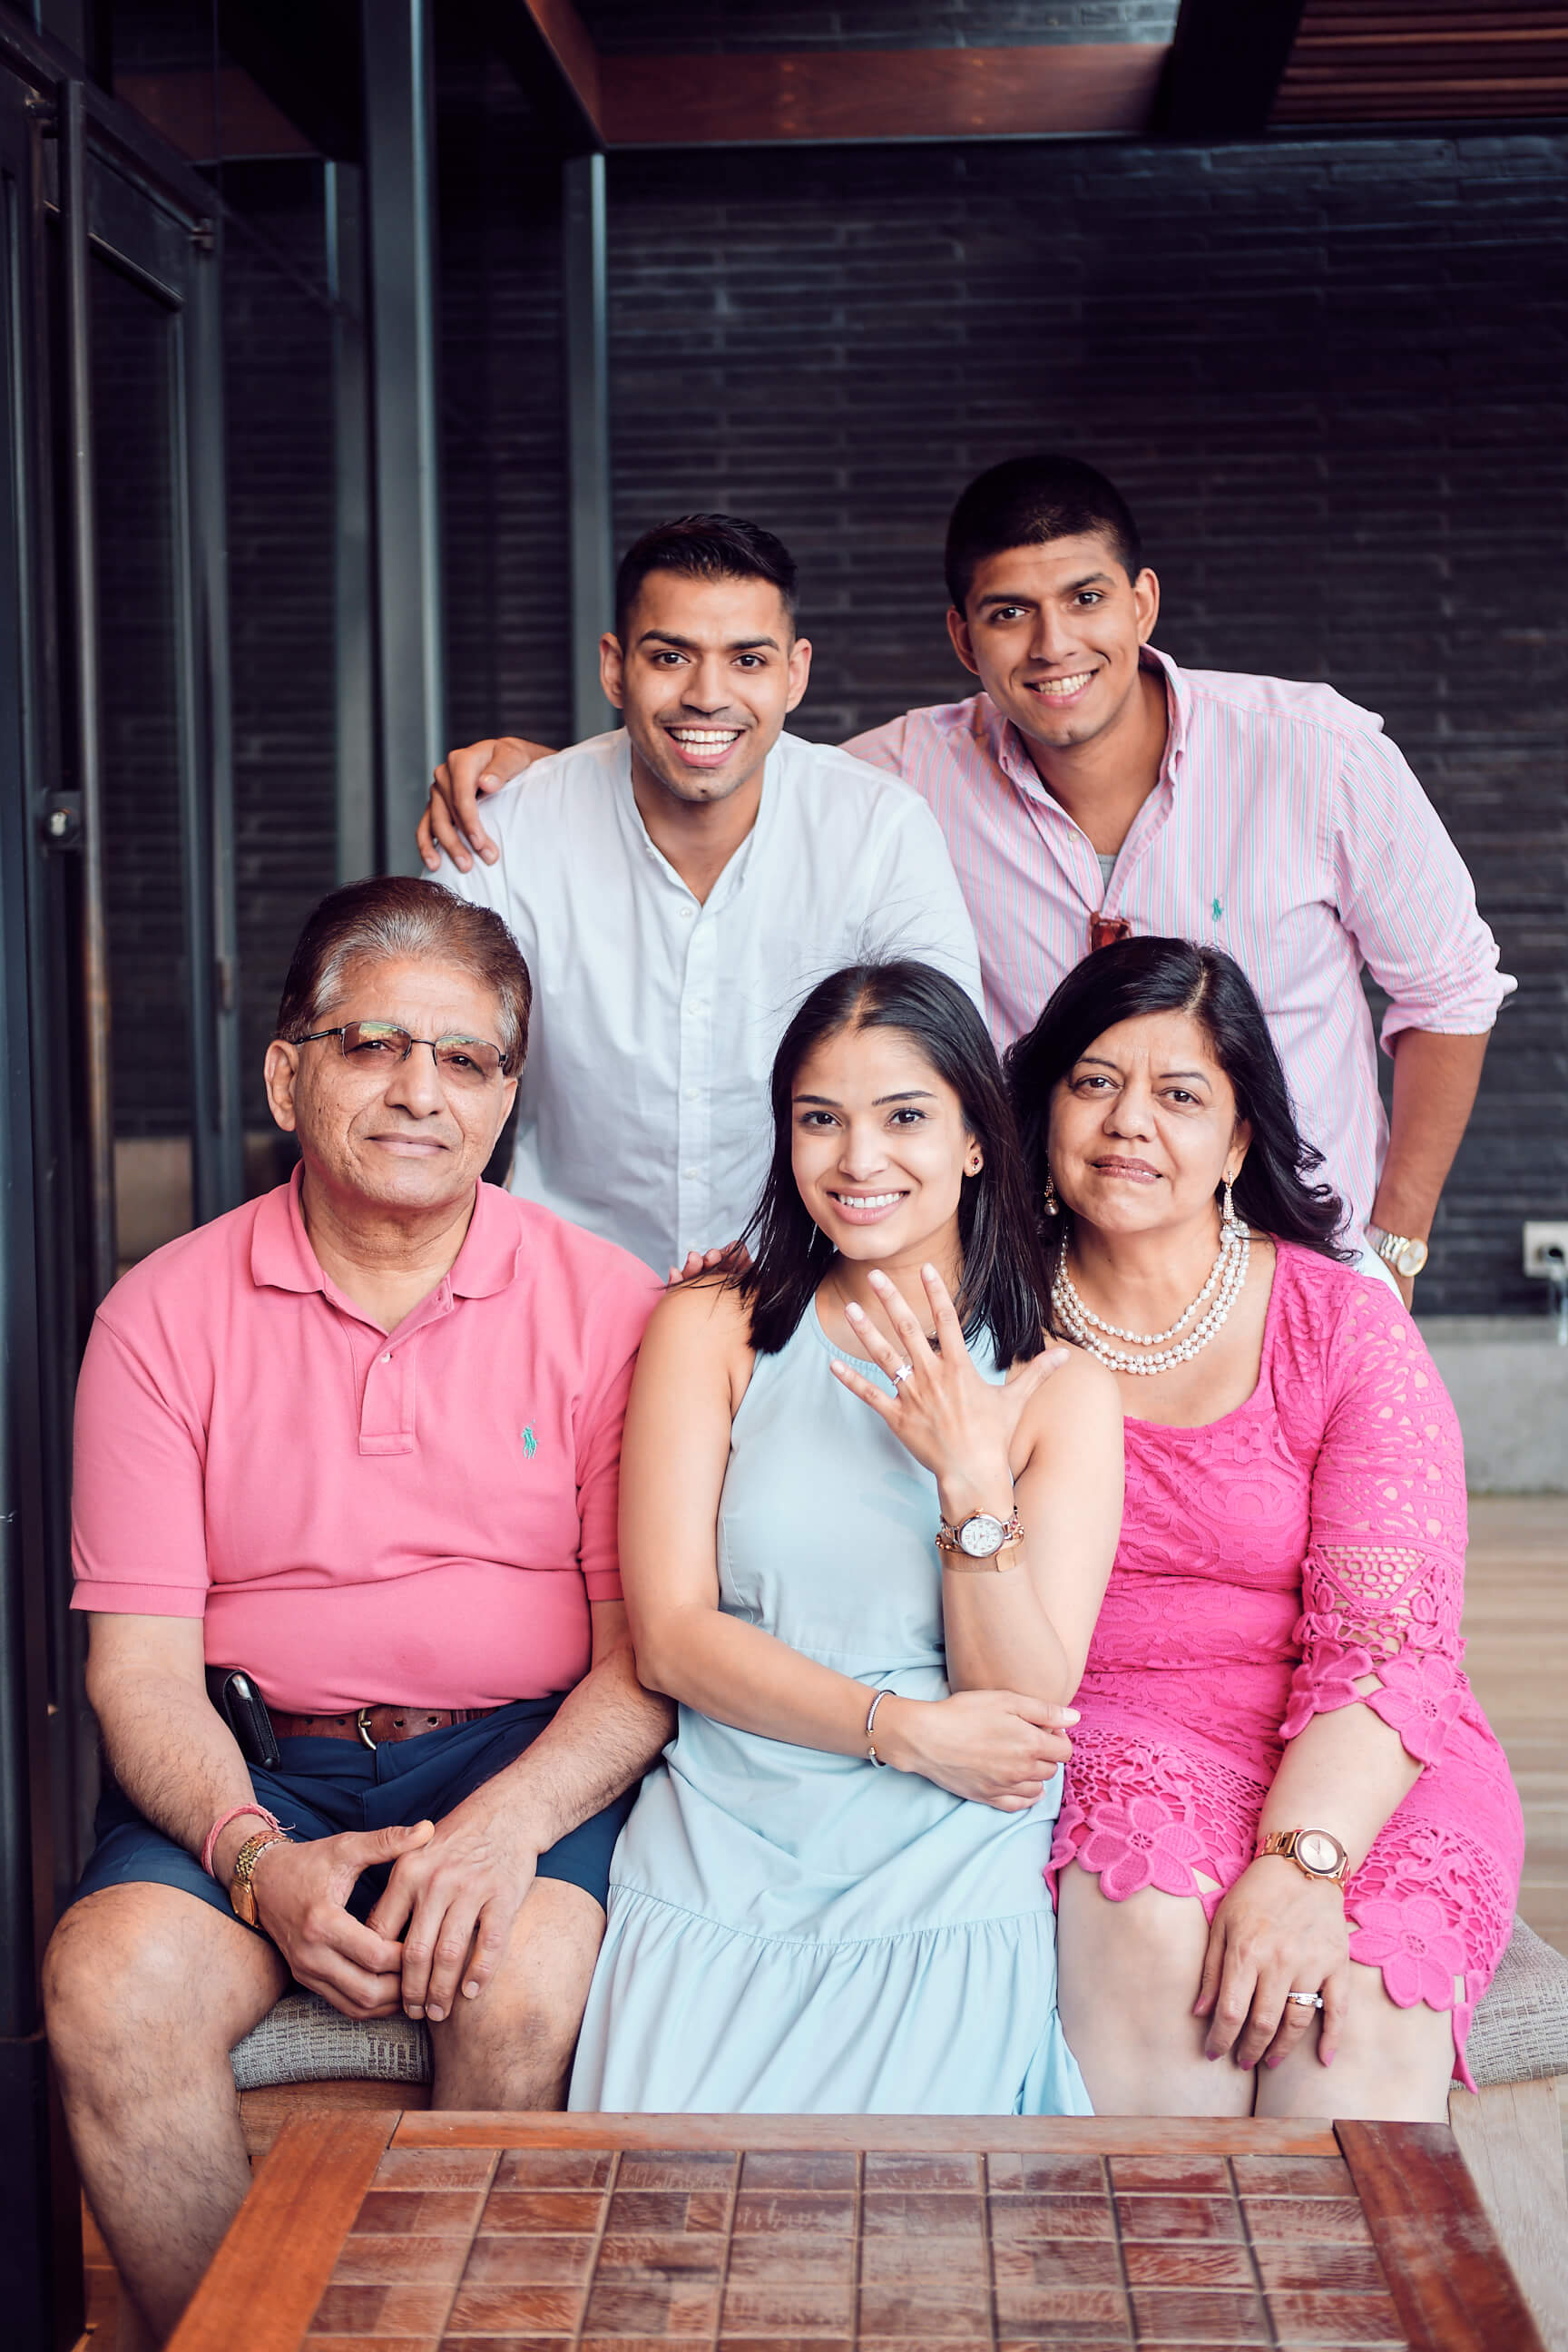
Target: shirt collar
x: 735, y: 873
x: 1009, y: 752
x: 281, y: 1257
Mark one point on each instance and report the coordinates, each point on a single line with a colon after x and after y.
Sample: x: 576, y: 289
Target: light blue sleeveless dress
x: 796, y: 1932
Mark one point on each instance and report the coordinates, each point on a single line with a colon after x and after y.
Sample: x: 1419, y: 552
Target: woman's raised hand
x: 997, y: 1747
x: 958, y: 1426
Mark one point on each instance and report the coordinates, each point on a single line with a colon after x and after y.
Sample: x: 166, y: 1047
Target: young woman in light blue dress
x: 865, y: 1533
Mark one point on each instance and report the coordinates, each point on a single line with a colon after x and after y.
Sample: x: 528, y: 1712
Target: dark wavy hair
x: 1003, y: 1292
x: 1274, y: 1190
x: 704, y: 547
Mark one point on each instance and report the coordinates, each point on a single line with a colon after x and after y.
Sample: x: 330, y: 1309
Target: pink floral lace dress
x: 1312, y: 1537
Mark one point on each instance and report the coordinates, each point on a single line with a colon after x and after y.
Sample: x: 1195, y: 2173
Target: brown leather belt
x: 376, y: 1726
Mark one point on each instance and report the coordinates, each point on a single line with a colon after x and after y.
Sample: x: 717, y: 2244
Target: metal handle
x: 83, y: 533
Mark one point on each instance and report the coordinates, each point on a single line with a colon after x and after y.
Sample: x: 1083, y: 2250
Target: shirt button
x: 693, y: 1094
x: 686, y: 914
x: 691, y: 1175
x: 386, y: 1360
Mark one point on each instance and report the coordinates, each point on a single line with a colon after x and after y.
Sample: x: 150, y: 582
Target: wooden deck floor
x: 1516, y: 1620
x: 1516, y: 1623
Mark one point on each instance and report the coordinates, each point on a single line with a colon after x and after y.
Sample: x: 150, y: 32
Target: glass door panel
x: 139, y: 522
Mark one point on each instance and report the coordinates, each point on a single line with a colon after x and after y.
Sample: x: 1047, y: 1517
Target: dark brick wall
x: 503, y: 418
x: 1330, y: 376
x: 282, y: 513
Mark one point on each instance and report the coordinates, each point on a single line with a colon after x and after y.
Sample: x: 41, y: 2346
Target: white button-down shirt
x: 643, y: 1108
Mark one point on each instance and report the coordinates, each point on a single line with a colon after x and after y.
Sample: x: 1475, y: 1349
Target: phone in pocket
x: 244, y: 1710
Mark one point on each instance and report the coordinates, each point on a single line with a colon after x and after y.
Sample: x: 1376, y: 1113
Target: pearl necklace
x: 1228, y: 1275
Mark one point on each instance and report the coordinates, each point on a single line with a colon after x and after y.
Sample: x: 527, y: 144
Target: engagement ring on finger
x: 903, y: 1373
x: 1306, y: 1999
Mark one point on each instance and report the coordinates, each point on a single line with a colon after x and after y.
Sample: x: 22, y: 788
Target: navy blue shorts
x: 322, y: 1786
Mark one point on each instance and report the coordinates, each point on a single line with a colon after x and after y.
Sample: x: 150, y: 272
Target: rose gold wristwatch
x: 241, y: 1894
x: 1317, y: 1852
x: 981, y: 1539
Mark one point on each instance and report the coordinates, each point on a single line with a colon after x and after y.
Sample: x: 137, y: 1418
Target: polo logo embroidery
x: 1217, y: 910
x: 530, y: 1443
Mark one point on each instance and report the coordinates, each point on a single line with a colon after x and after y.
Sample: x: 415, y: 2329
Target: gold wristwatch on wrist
x: 1406, y: 1256
x: 1317, y: 1853
x: 980, y: 1541
x: 241, y: 1894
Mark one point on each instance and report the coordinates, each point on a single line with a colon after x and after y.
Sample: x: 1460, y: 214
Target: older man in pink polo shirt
x: 1094, y: 788
x: 358, y: 1441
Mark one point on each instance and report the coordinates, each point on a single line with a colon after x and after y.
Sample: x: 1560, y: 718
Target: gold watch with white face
x: 1317, y: 1852
x: 1399, y: 1251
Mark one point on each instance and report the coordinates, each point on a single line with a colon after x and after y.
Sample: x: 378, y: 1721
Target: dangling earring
x: 1049, y: 1203
x: 1227, y: 1215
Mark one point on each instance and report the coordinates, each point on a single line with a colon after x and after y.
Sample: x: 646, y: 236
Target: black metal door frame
x: 83, y: 185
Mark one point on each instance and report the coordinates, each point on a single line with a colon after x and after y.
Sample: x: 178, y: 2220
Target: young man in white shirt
x: 1095, y: 788
x: 677, y: 886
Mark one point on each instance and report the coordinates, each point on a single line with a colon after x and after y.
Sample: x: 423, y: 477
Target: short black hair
x: 1003, y: 1291
x: 1025, y: 501
x: 704, y: 547
x: 1274, y: 1191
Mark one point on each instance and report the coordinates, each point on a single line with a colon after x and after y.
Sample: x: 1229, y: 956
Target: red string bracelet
x: 222, y: 1822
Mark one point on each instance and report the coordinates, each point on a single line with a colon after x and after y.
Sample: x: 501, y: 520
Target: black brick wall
x: 282, y: 513
x: 1330, y: 376
x: 503, y: 410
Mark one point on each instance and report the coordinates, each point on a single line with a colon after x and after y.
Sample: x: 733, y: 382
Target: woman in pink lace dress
x: 1279, y: 1646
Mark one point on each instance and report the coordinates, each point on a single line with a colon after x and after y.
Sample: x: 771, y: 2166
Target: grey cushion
x: 306, y: 2040
x: 1520, y: 2030
x: 1520, y: 2034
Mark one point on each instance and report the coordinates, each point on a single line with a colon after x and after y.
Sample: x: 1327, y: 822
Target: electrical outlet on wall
x: 1546, y: 1246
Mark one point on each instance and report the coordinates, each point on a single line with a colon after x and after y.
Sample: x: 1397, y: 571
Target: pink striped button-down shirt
x: 1285, y: 828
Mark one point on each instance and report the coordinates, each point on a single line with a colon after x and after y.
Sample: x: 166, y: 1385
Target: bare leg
x: 1128, y: 1977
x: 1393, y: 2064
x: 513, y: 2046
x: 147, y: 1990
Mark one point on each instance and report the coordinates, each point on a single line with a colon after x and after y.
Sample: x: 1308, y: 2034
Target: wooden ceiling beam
x: 1077, y: 89
x: 1233, y: 67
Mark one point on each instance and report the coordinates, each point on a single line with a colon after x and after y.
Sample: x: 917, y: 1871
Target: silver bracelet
x: 871, y: 1756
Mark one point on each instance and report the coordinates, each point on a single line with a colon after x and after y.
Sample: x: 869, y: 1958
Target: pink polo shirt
x: 422, y: 1517
x: 1285, y: 827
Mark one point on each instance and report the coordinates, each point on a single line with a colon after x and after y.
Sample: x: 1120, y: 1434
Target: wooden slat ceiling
x: 1403, y: 61
x: 1354, y: 63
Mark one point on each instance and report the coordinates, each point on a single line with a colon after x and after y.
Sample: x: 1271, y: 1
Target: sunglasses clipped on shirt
x: 467, y: 1062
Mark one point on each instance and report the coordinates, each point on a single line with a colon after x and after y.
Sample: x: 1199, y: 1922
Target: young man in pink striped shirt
x: 1093, y: 788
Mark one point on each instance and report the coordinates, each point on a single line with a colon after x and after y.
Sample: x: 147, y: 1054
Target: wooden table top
x: 371, y: 2231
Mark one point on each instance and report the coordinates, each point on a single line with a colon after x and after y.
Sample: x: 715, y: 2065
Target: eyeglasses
x: 468, y: 1061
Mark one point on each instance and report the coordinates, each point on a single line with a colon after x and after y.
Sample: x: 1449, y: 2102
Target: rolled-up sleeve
x: 1405, y: 896
x: 139, y: 1542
